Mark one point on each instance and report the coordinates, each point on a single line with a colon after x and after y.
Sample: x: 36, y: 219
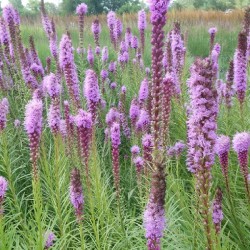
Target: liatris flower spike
x: 212, y: 32
x: 222, y: 148
x: 76, y: 193
x: 33, y: 127
x: 50, y: 238
x: 217, y: 211
x: 4, y: 110
x: 241, y: 144
x: 142, y: 24
x: 3, y: 189
x: 135, y: 150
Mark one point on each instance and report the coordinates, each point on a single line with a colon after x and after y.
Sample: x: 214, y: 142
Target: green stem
x: 82, y: 235
x: 2, y: 234
x: 57, y: 184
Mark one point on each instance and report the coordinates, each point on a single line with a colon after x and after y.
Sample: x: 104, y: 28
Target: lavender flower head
x: 154, y: 223
x: 76, y: 193
x: 50, y: 238
x: 96, y: 27
x: 83, y: 119
x: 139, y: 163
x: 222, y: 145
x: 212, y: 31
x: 135, y: 150
x: 142, y: 22
x: 3, y: 187
x: 241, y: 142
x: 217, y: 210
x: 177, y: 149
x: 113, y: 85
x: 33, y: 117
x: 81, y: 9
x: 112, y: 116
x: 143, y: 121
x: 115, y: 135
x: 105, y: 54
x: 134, y: 111
x: 143, y: 92
x: 111, y: 19
x: 52, y: 85
x: 91, y: 87
x: 9, y: 14
x: 17, y: 123
x: 4, y: 110
x: 104, y: 74
x: 158, y: 9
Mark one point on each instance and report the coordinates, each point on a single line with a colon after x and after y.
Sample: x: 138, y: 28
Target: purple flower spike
x: 105, y: 54
x: 54, y: 118
x: 92, y: 92
x: 33, y: 127
x: 217, y: 211
x: 222, y: 148
x: 50, y: 238
x: 52, y: 85
x: 68, y: 66
x: 241, y: 144
x: 135, y: 150
x: 4, y: 110
x: 143, y: 121
x: 142, y: 25
x: 76, y: 193
x: 113, y: 116
x: 134, y: 111
x: 115, y: 142
x: 111, y: 20
x: 143, y: 92
x: 212, y: 32
x: 177, y: 149
x: 240, y: 68
x: 139, y: 164
x: 154, y: 223
x: 96, y: 30
x: 81, y: 9
x: 3, y: 188
x: 90, y: 57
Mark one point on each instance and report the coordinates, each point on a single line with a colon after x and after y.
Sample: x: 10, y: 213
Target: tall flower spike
x: 105, y: 54
x: 84, y: 124
x: 4, y: 110
x: 229, y: 85
x: 33, y: 127
x: 167, y: 94
x: 115, y: 142
x: 76, y: 193
x: 92, y: 92
x: 52, y: 86
x: 3, y: 189
x: 96, y: 30
x: 81, y: 11
x: 134, y: 111
x: 50, y: 238
x: 217, y: 211
x: 240, y: 68
x: 143, y: 92
x: 212, y: 32
x: 90, y: 56
x: 54, y: 117
x: 202, y: 126
x: 222, y: 148
x: 111, y: 20
x: 154, y: 215
x: 68, y: 66
x: 241, y: 144
x: 142, y: 25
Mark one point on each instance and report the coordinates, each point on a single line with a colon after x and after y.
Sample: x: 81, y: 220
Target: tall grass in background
x: 109, y: 222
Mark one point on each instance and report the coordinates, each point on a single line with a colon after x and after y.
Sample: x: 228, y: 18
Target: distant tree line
x: 221, y: 5
x: 67, y: 7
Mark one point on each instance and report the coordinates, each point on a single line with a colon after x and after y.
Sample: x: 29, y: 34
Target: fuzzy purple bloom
x: 115, y: 134
x: 105, y: 54
x: 143, y: 91
x: 135, y: 150
x: 81, y: 9
x: 66, y: 59
x: 76, y: 193
x: 113, y: 85
x: 4, y: 110
x: 143, y: 121
x: 90, y: 56
x: 113, y: 116
x: 240, y: 68
x: 3, y: 188
x: 54, y: 118
x: 50, y: 238
x: 134, y: 111
x: 52, y: 85
x: 112, y: 67
x: 177, y: 149
x: 139, y: 164
x: 142, y: 21
x: 17, y: 123
x: 217, y: 211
